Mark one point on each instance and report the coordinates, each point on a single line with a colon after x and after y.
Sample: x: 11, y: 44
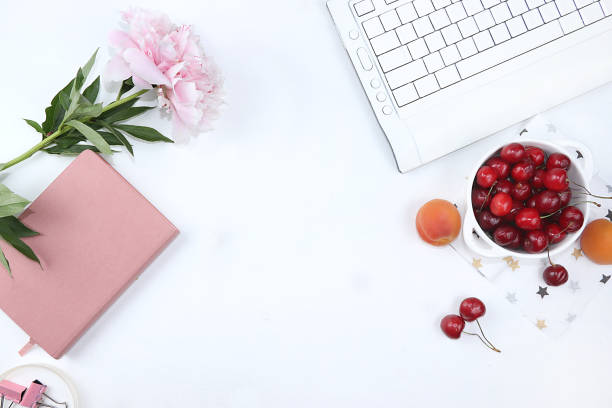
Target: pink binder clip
x: 10, y: 391
x: 30, y: 397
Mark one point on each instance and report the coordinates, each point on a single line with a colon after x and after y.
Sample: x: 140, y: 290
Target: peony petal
x: 116, y: 69
x: 186, y: 92
x: 143, y: 67
x: 140, y: 83
x: 121, y: 40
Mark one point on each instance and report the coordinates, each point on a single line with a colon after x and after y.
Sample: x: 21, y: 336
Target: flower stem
x: 47, y: 140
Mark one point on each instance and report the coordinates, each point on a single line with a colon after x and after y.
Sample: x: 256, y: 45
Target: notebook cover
x: 97, y: 234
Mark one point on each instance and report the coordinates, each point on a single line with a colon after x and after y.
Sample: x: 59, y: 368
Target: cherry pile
x: 521, y: 198
x: 470, y: 310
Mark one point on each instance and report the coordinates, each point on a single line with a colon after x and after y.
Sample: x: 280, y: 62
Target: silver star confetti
x: 523, y: 131
x: 551, y: 128
x: 609, y: 188
x: 570, y: 317
x: 605, y: 278
x: 542, y: 291
x: 609, y: 216
x: 574, y: 286
x: 511, y: 297
x: 578, y: 154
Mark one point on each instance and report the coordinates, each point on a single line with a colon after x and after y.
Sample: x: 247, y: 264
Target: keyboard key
x: 591, y: 13
x: 423, y: 26
x: 385, y: 42
x: 501, y: 13
x: 467, y: 48
x: 418, y: 49
x: 407, y: 13
x: 549, y: 12
x: 565, y: 6
x: 394, y: 58
x: 515, y: 46
x: 364, y: 7
x: 500, y: 33
x: 406, y: 74
x: 426, y: 85
x: 468, y: 27
x: 517, y: 7
x: 440, y: 4
x: 472, y: 7
x: 439, y: 19
x: 406, y: 33
x: 435, y: 41
x: 489, y: 3
x: 373, y: 27
x: 532, y: 4
x: 433, y: 62
x: 606, y: 6
x: 451, y: 34
x: 390, y: 20
x: 364, y: 59
x: 533, y: 19
x: 516, y: 26
x: 571, y: 22
x: 581, y: 3
x: 456, y: 12
x: 484, y: 20
x: 447, y: 76
x: 405, y: 95
x: 423, y: 7
x: 483, y: 40
x: 450, y: 54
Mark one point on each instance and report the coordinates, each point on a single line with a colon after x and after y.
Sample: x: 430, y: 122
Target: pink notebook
x: 97, y: 234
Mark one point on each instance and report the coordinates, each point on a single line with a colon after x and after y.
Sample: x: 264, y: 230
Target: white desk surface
x: 299, y: 279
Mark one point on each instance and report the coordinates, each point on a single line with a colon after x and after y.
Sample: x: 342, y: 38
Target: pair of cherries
x: 470, y: 310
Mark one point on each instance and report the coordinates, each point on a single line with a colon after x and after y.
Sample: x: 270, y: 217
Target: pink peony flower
x: 155, y: 52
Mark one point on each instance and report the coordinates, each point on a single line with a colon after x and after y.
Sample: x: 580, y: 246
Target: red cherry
x: 471, y: 309
x: 503, y: 186
x: 486, y: 176
x: 521, y: 191
x: 547, y: 202
x: 504, y: 235
x: 480, y: 198
x: 565, y: 196
x: 452, y: 325
x: 571, y: 219
x: 488, y: 221
x: 554, y: 233
x: 503, y: 168
x: 536, y: 155
x: 555, y: 275
x: 528, y: 219
x: 558, y: 161
x: 535, y: 241
x: 516, y: 206
x: 531, y: 202
x: 537, y: 181
x: 556, y: 179
x: 523, y: 170
x: 501, y: 204
x: 517, y: 243
x: 513, y: 153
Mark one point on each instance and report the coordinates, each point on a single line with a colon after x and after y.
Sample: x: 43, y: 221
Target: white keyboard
x: 423, y: 46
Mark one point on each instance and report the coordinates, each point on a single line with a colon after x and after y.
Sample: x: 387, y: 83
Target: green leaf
x: 12, y: 238
x: 86, y: 69
x: 71, y: 150
x: 91, y: 92
x: 127, y: 113
x: 117, y: 109
x: 144, y: 133
x: 91, y: 111
x: 10, y: 203
x: 119, y: 137
x: 126, y: 85
x: 5, y: 262
x: 17, y: 227
x: 35, y: 125
x: 91, y: 135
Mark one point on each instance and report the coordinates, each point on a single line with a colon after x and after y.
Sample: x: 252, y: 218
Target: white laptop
x: 441, y: 74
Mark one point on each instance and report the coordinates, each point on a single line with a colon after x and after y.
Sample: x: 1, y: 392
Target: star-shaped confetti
x: 578, y: 154
x: 570, y: 317
x: 475, y: 234
x: 477, y: 263
x: 542, y: 291
x: 609, y: 188
x: 609, y: 216
x: 514, y: 265
x: 511, y: 297
x: 605, y: 278
x: 541, y: 324
x: 577, y: 253
x: 508, y: 259
x: 523, y: 131
x: 551, y: 128
x: 574, y: 286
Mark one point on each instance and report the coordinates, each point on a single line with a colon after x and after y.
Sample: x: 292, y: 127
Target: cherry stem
x: 488, y: 195
x: 570, y: 205
x: 548, y: 253
x: 485, y: 337
x: 589, y: 193
x: 483, y: 342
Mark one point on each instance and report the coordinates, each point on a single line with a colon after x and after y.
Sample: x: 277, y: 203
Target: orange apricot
x: 596, y: 241
x: 438, y: 222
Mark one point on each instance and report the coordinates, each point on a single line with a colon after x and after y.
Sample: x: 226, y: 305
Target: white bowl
x: 581, y: 172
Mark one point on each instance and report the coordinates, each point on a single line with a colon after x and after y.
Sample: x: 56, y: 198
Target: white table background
x: 298, y: 279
